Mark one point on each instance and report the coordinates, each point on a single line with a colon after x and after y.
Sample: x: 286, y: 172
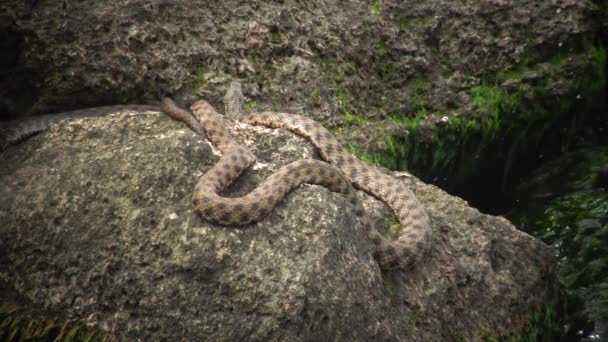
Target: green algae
x: 275, y: 36
x: 544, y: 325
x: 564, y: 205
x: 505, y: 123
x: 374, y: 7
x: 16, y: 325
x: 198, y: 81
x: 418, y: 22
x: 408, y: 123
x: 517, y: 123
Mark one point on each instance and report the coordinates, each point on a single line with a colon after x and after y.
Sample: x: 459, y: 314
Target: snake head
x: 234, y: 100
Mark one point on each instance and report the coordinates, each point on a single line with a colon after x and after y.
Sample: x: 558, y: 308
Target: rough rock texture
x: 376, y: 57
x: 96, y: 223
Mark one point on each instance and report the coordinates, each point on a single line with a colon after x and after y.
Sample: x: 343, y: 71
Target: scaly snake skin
x: 402, y: 253
x: 12, y: 132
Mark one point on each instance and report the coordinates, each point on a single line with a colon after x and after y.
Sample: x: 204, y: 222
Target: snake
x: 15, y: 131
x: 338, y: 171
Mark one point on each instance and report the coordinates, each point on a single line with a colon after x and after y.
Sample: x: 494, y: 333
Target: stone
x: 96, y: 223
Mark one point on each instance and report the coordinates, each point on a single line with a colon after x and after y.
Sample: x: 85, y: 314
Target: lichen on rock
x: 97, y: 223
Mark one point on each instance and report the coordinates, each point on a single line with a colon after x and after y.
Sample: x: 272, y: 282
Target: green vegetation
x: 489, y: 99
x: 382, y: 48
x: 517, y: 117
x: 487, y: 96
x: 17, y: 326
x: 513, y: 119
x: 586, y: 215
x: 575, y: 221
x: 408, y: 123
x: 374, y: 7
x: 392, y: 149
x: 314, y: 94
x: 420, y: 82
x: 372, y: 158
x: 350, y: 116
x: 415, y: 22
x: 514, y: 112
x: 385, y: 70
x: 275, y: 36
x: 544, y: 326
x: 577, y: 225
x: 353, y: 119
x: 198, y: 82
x: 250, y: 105
x: 599, y: 53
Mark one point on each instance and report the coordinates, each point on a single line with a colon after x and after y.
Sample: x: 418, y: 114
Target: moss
x: 385, y: 158
x: 331, y: 70
x: 576, y: 223
x: 489, y: 99
x: 275, y: 36
x: 198, y: 81
x: 350, y: 115
x: 314, y: 94
x: 515, y: 116
x: 339, y: 75
x: 249, y: 105
x: 389, y: 288
x: 258, y: 78
x: 373, y: 7
x: 372, y: 158
x: 385, y: 69
x: 408, y: 123
x: 447, y: 71
x: 392, y: 232
x: 420, y: 82
x: 382, y: 48
x: 599, y: 53
x: 543, y: 325
x: 421, y: 22
x: 502, y: 113
x: 16, y: 325
x: 393, y: 149
x: 515, y: 119
x: 352, y: 118
x: 351, y: 66
x: 174, y: 84
x: 487, y: 96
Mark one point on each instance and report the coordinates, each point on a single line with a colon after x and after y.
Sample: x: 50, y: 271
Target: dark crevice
x: 16, y: 81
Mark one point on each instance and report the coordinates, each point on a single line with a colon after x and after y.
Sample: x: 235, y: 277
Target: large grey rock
x: 96, y: 223
x: 374, y: 57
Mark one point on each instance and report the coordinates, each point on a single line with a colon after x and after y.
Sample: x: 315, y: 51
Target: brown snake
x: 342, y: 171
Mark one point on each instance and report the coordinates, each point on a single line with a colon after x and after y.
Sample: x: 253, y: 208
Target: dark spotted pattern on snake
x: 337, y: 174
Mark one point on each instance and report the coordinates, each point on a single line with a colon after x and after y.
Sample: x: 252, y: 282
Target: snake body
x: 12, y: 132
x: 337, y: 173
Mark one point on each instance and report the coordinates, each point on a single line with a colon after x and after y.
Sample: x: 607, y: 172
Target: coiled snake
x: 337, y: 173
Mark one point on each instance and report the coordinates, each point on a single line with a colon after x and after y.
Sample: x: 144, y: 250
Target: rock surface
x: 398, y: 80
x: 96, y: 223
x: 374, y: 57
